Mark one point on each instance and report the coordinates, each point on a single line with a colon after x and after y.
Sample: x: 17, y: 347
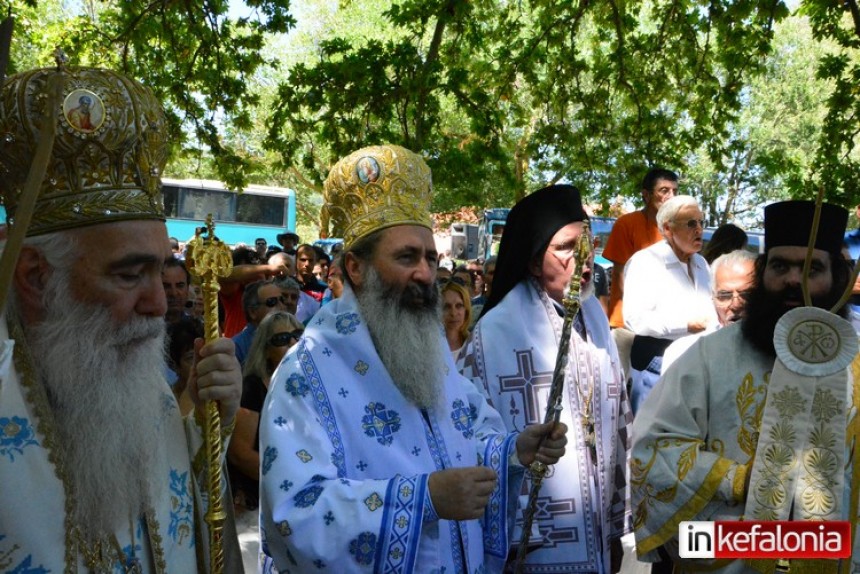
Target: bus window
x: 260, y: 209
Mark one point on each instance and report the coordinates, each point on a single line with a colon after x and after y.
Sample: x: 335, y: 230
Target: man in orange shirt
x: 635, y: 231
x: 630, y: 233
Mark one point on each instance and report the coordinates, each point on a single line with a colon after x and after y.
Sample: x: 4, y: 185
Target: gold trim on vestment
x: 690, y: 509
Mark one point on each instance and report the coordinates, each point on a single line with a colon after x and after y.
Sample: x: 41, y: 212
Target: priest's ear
x: 30, y: 279
x: 354, y: 266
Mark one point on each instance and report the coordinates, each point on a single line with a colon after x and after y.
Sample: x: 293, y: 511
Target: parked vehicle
x: 259, y: 211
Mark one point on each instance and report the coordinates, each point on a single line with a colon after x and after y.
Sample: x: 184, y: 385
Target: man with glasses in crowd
x: 258, y: 300
x: 667, y: 292
x: 261, y: 245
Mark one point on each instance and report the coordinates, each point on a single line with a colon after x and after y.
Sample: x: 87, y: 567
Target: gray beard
x: 107, y: 391
x: 408, y: 340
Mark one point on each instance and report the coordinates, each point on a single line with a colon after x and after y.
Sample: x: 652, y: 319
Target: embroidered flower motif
x: 821, y: 464
x: 308, y: 496
x: 788, y: 402
x: 346, y: 323
x: 363, y: 547
x: 373, y: 502
x: 825, y: 406
x: 181, y: 525
x: 770, y: 492
x: 361, y: 367
x: 818, y: 500
x: 15, y: 434
x: 297, y: 386
x: 380, y: 422
x: 269, y: 456
x: 464, y: 417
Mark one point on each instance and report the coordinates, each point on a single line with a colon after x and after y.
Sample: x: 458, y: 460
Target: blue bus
x: 259, y: 211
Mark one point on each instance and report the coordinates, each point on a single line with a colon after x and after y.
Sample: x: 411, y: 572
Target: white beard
x: 408, y: 340
x: 107, y: 390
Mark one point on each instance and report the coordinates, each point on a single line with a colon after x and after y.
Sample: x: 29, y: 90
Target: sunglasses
x: 285, y: 338
x: 692, y: 223
x: 272, y: 301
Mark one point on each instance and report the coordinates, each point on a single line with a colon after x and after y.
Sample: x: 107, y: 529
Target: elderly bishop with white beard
x: 377, y: 456
x: 95, y: 458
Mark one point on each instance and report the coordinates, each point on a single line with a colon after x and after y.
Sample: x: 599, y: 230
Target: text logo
x: 761, y: 539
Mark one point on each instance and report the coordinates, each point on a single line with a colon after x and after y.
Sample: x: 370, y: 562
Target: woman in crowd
x: 456, y: 313
x: 277, y: 333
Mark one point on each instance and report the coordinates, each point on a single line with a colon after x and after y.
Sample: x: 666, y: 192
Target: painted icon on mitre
x: 84, y: 111
x: 367, y: 169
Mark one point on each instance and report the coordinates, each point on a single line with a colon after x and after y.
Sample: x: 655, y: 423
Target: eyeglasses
x: 285, y: 338
x: 272, y: 301
x: 725, y: 298
x: 692, y: 223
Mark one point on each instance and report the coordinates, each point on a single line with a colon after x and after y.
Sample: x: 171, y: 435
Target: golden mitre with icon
x: 374, y: 188
x: 110, y: 147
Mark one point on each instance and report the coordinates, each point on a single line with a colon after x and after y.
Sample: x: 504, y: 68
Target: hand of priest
x: 217, y: 376
x: 544, y: 443
x: 461, y: 493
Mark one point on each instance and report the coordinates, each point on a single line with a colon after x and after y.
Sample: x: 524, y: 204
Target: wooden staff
x: 209, y: 258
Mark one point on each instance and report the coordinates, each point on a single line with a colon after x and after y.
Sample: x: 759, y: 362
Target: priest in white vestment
x: 511, y: 357
x: 746, y: 390
x: 99, y: 472
x: 376, y: 455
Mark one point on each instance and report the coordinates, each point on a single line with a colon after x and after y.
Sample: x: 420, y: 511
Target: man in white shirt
x: 667, y: 292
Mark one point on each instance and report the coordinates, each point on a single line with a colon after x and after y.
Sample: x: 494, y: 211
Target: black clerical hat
x: 790, y: 222
x: 530, y: 225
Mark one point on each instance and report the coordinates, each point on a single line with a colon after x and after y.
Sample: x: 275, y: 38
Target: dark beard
x: 406, y: 329
x: 765, y: 308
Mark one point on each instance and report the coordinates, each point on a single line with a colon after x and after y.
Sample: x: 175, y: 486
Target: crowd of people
x: 384, y: 410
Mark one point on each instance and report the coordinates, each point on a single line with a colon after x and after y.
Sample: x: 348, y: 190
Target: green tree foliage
x: 837, y: 157
x: 501, y: 97
x: 505, y: 97
x: 771, y: 149
x: 196, y: 59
